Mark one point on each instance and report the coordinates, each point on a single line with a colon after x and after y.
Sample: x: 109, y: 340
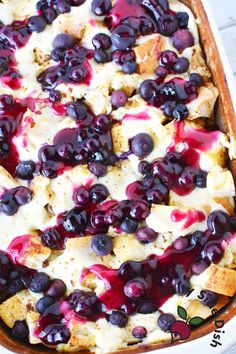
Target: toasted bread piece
x: 15, y: 309
x: 147, y: 54
x: 218, y: 279
x: 195, y: 308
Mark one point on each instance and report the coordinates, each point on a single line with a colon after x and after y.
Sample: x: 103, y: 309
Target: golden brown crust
x: 147, y: 54
x: 13, y: 310
x: 220, y: 280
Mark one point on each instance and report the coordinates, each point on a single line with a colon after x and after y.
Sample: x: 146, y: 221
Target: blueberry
x: 165, y: 321
x: 5, y: 266
x: 78, y: 74
x: 101, y: 41
x: 77, y: 110
x: 182, y: 39
x: 180, y: 112
x: 40, y: 282
x: 43, y: 303
x: 168, y: 108
x: 139, y: 210
x: 56, y: 334
x: 98, y: 169
x: 123, y: 37
x: 8, y: 205
x: 101, y: 245
x: 92, y: 145
x: 161, y: 72
x: 118, y: 98
x: 101, y: 7
x: 182, y: 18
x: 118, y: 318
x: 56, y: 289
x: 218, y: 222
x: 98, y: 220
x: 100, y: 56
x: 57, y: 54
x: 20, y: 330
x: 37, y: 24
x: 6, y: 103
x: 198, y: 238
x: 146, y: 235
x: 4, y: 149
x: 181, y: 243
x: 148, y: 89
x: 63, y: 41
x: 63, y: 7
x: 129, y: 67
x: 75, y: 220
x: 129, y: 226
x: 199, y: 266
x: 3, y: 66
x: 147, y: 307
x: 84, y: 303
x: 55, y: 96
x: 98, y: 193
x: 49, y: 15
x: 180, y: 282
x: 213, y: 252
x: 233, y: 223
x: 135, y: 288
x: 23, y: 195
x: 167, y: 24
x: 3, y: 284
x: 130, y: 269
x: 52, y: 239
x: 103, y: 123
x: 139, y: 332
x: 142, y: 144
x: 25, y: 170
x: 15, y: 286
x: 168, y: 58
x: 196, y: 78
x: 201, y: 179
x: 82, y: 196
x: 144, y: 167
x: 181, y: 66
x: 208, y: 298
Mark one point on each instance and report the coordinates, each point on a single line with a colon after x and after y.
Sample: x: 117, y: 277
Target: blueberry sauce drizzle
x: 94, y: 218
x: 145, y: 17
x: 12, y: 37
x: 135, y: 287
x: 178, y: 172
x: 163, y: 276
x: 176, y: 90
x: 90, y: 143
x: 73, y: 68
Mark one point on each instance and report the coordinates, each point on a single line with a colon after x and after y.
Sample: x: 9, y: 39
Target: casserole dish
x: 226, y: 116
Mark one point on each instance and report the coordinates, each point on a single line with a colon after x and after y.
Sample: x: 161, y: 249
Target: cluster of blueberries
x: 171, y: 96
x: 163, y: 175
x: 90, y: 143
x: 90, y: 218
x: 134, y: 276
x: 12, y: 199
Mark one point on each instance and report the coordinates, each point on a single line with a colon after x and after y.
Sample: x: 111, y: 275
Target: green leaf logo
x: 182, y: 312
x: 195, y: 321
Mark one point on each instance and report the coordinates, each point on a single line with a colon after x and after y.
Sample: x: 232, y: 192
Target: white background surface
x: 225, y: 15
